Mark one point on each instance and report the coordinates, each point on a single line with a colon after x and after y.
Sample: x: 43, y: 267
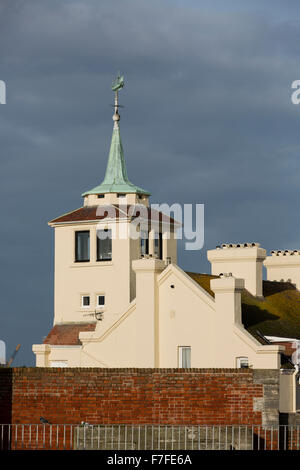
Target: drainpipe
x: 295, y: 388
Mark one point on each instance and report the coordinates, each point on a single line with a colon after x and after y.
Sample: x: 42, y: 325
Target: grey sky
x: 208, y: 119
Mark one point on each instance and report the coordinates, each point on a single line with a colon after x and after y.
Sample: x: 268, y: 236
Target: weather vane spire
x: 116, y: 86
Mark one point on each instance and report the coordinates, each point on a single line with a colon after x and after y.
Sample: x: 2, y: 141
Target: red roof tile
x: 68, y: 334
x: 88, y: 213
x: 289, y: 346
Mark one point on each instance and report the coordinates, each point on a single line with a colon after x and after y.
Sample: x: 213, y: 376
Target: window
x: 104, y: 245
x: 100, y: 300
x: 242, y: 362
x: 85, y: 301
x: 158, y: 245
x: 185, y: 357
x: 121, y: 195
x: 144, y: 243
x: 100, y: 196
x: 82, y: 246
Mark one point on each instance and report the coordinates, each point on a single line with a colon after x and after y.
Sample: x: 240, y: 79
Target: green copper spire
x: 116, y: 179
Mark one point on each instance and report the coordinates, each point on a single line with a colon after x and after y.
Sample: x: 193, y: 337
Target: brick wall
x: 139, y: 396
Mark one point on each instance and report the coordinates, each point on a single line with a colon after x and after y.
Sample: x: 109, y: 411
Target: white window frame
x: 97, y: 300
x: 180, y: 356
x: 240, y: 361
x: 85, y: 306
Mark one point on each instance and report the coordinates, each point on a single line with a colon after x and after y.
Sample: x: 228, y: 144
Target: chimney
x: 228, y: 303
x: 284, y: 266
x: 243, y: 260
x: 147, y: 272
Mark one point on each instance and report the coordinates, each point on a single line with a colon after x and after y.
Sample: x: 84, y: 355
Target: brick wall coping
x: 55, y: 370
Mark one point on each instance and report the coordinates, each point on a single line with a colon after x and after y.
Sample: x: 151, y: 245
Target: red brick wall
x: 133, y: 396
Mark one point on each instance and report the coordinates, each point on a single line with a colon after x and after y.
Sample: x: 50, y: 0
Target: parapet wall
x: 139, y: 396
x: 284, y: 266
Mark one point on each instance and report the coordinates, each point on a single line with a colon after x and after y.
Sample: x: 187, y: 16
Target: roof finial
x: 116, y: 86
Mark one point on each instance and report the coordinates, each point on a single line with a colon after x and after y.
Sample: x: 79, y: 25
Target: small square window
x: 101, y: 300
x: 85, y: 301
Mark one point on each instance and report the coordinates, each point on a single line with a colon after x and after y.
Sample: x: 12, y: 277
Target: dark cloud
x: 207, y: 119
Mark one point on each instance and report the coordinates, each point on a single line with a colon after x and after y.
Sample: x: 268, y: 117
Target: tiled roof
x: 89, y: 213
x: 288, y: 345
x: 68, y: 334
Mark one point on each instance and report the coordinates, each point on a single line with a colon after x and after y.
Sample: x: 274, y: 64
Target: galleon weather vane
x: 116, y: 86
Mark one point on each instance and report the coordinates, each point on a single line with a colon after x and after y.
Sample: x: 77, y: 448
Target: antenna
x: 97, y: 314
x: 9, y: 363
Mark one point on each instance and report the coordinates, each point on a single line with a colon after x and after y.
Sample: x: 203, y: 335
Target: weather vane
x: 116, y: 86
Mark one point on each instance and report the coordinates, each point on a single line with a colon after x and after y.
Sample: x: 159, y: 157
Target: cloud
x: 207, y: 119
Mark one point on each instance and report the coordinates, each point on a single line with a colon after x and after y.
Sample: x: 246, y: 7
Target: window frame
x: 98, y: 244
x: 180, y: 356
x: 239, y: 361
x: 158, y: 238
x: 146, y: 241
x: 97, y: 300
x: 77, y: 232
x: 87, y: 296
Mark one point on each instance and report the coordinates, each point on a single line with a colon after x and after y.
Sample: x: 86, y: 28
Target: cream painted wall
x: 147, y: 331
x: 115, y: 279
x: 185, y: 319
x: 150, y: 330
x: 112, y: 198
x: 287, y: 395
x: 213, y: 329
x: 283, y: 267
x: 73, y: 279
x: 231, y: 340
x: 243, y: 262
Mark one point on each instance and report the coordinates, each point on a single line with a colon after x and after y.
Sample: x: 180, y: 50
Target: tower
x: 94, y: 246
